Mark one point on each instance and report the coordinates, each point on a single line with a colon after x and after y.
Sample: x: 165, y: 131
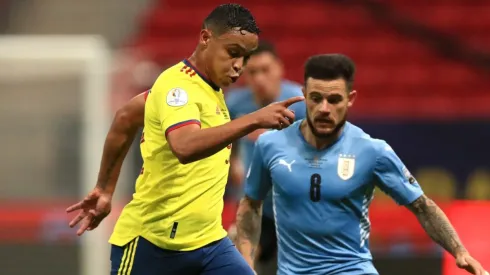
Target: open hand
x: 94, y: 208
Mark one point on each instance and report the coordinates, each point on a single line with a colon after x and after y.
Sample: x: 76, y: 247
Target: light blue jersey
x: 241, y: 101
x: 321, y: 197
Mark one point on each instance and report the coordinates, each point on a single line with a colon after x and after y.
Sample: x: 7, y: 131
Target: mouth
x: 233, y: 78
x: 324, y: 122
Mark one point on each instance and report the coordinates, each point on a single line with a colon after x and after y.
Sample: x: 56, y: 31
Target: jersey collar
x: 205, y: 79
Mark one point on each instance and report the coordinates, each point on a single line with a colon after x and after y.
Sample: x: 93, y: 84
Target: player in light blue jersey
x: 264, y: 74
x: 322, y: 172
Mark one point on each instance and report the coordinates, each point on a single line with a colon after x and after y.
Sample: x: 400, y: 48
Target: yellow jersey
x: 176, y: 206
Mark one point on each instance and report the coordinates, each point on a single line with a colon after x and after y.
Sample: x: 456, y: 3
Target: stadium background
x: 423, y: 78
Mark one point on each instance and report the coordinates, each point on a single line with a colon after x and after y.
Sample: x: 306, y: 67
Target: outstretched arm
x: 248, y: 224
x: 437, y: 225
x: 122, y: 133
x: 396, y: 180
x: 97, y: 204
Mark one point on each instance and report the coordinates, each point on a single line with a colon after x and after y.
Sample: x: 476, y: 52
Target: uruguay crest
x: 346, y: 166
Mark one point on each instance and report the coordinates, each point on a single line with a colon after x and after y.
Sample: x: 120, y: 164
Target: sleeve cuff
x: 181, y: 124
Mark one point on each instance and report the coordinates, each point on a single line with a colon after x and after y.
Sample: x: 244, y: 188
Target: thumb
x: 290, y: 101
x: 92, y: 195
x: 462, y: 262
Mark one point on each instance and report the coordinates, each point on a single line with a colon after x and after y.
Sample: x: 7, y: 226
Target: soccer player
x: 265, y: 84
x: 322, y: 172
x: 173, y: 223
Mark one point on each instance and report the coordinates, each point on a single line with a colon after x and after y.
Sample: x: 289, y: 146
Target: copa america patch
x: 177, y: 97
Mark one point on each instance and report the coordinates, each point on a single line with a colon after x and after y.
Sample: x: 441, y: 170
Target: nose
x: 324, y: 107
x: 238, y: 64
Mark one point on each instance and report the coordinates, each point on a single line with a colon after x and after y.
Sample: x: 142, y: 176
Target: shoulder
x: 237, y: 96
x: 269, y: 140
x: 365, y: 142
x: 178, y: 77
x: 277, y: 139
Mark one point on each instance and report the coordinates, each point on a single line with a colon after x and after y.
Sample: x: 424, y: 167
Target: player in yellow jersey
x: 173, y: 224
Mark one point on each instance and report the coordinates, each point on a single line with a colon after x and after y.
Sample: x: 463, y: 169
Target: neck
x: 198, y: 62
x: 319, y: 143
x: 268, y: 99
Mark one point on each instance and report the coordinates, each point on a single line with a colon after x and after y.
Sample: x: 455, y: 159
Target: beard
x: 319, y: 135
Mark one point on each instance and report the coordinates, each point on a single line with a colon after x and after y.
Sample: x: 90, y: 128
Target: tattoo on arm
x: 249, y: 218
x: 437, y: 225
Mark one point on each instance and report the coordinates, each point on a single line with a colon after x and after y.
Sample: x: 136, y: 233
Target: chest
x: 213, y: 110
x: 318, y: 177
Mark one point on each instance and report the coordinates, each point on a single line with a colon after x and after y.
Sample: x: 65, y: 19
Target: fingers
x: 79, y: 205
x: 289, y: 114
x: 86, y: 222
x: 77, y: 219
x: 76, y: 206
x: 283, y: 122
x: 288, y: 102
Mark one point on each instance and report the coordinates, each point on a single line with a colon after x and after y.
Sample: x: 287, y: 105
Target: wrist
x: 460, y: 252
x: 106, y: 190
x: 253, y: 122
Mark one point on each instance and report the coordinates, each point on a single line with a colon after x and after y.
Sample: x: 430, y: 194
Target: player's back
x: 320, y: 204
x: 176, y: 206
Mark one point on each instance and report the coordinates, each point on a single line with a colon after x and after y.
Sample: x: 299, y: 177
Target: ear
x: 352, y: 98
x: 204, y: 37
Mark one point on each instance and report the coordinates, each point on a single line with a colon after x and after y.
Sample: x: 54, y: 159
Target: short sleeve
x: 177, y: 108
x: 257, y: 182
x: 394, y: 178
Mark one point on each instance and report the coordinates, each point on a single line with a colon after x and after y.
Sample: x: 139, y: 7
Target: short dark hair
x: 331, y: 67
x: 230, y: 16
x: 265, y: 47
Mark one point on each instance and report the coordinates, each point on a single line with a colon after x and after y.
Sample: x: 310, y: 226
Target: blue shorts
x: 140, y: 257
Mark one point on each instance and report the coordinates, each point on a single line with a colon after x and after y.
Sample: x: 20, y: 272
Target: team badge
x: 346, y: 166
x: 177, y: 97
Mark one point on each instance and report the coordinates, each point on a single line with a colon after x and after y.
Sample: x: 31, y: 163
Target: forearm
x: 207, y: 142
x: 248, y: 224
x: 437, y: 225
x: 118, y: 141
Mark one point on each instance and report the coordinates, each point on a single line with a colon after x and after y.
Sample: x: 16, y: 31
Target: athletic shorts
x: 140, y: 257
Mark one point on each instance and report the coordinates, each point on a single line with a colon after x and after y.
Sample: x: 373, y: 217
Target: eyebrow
x: 238, y: 46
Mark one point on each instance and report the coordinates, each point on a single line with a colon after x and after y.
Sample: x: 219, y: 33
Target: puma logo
x: 288, y: 165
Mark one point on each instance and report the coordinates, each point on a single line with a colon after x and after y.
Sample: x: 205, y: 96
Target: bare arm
x: 437, y: 225
x: 190, y: 143
x: 249, y: 216
x: 125, y: 125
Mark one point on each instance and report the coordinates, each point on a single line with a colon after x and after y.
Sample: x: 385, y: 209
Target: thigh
x: 222, y: 258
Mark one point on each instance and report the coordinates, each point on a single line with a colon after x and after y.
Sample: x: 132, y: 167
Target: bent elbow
x: 122, y: 119
x: 183, y: 154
